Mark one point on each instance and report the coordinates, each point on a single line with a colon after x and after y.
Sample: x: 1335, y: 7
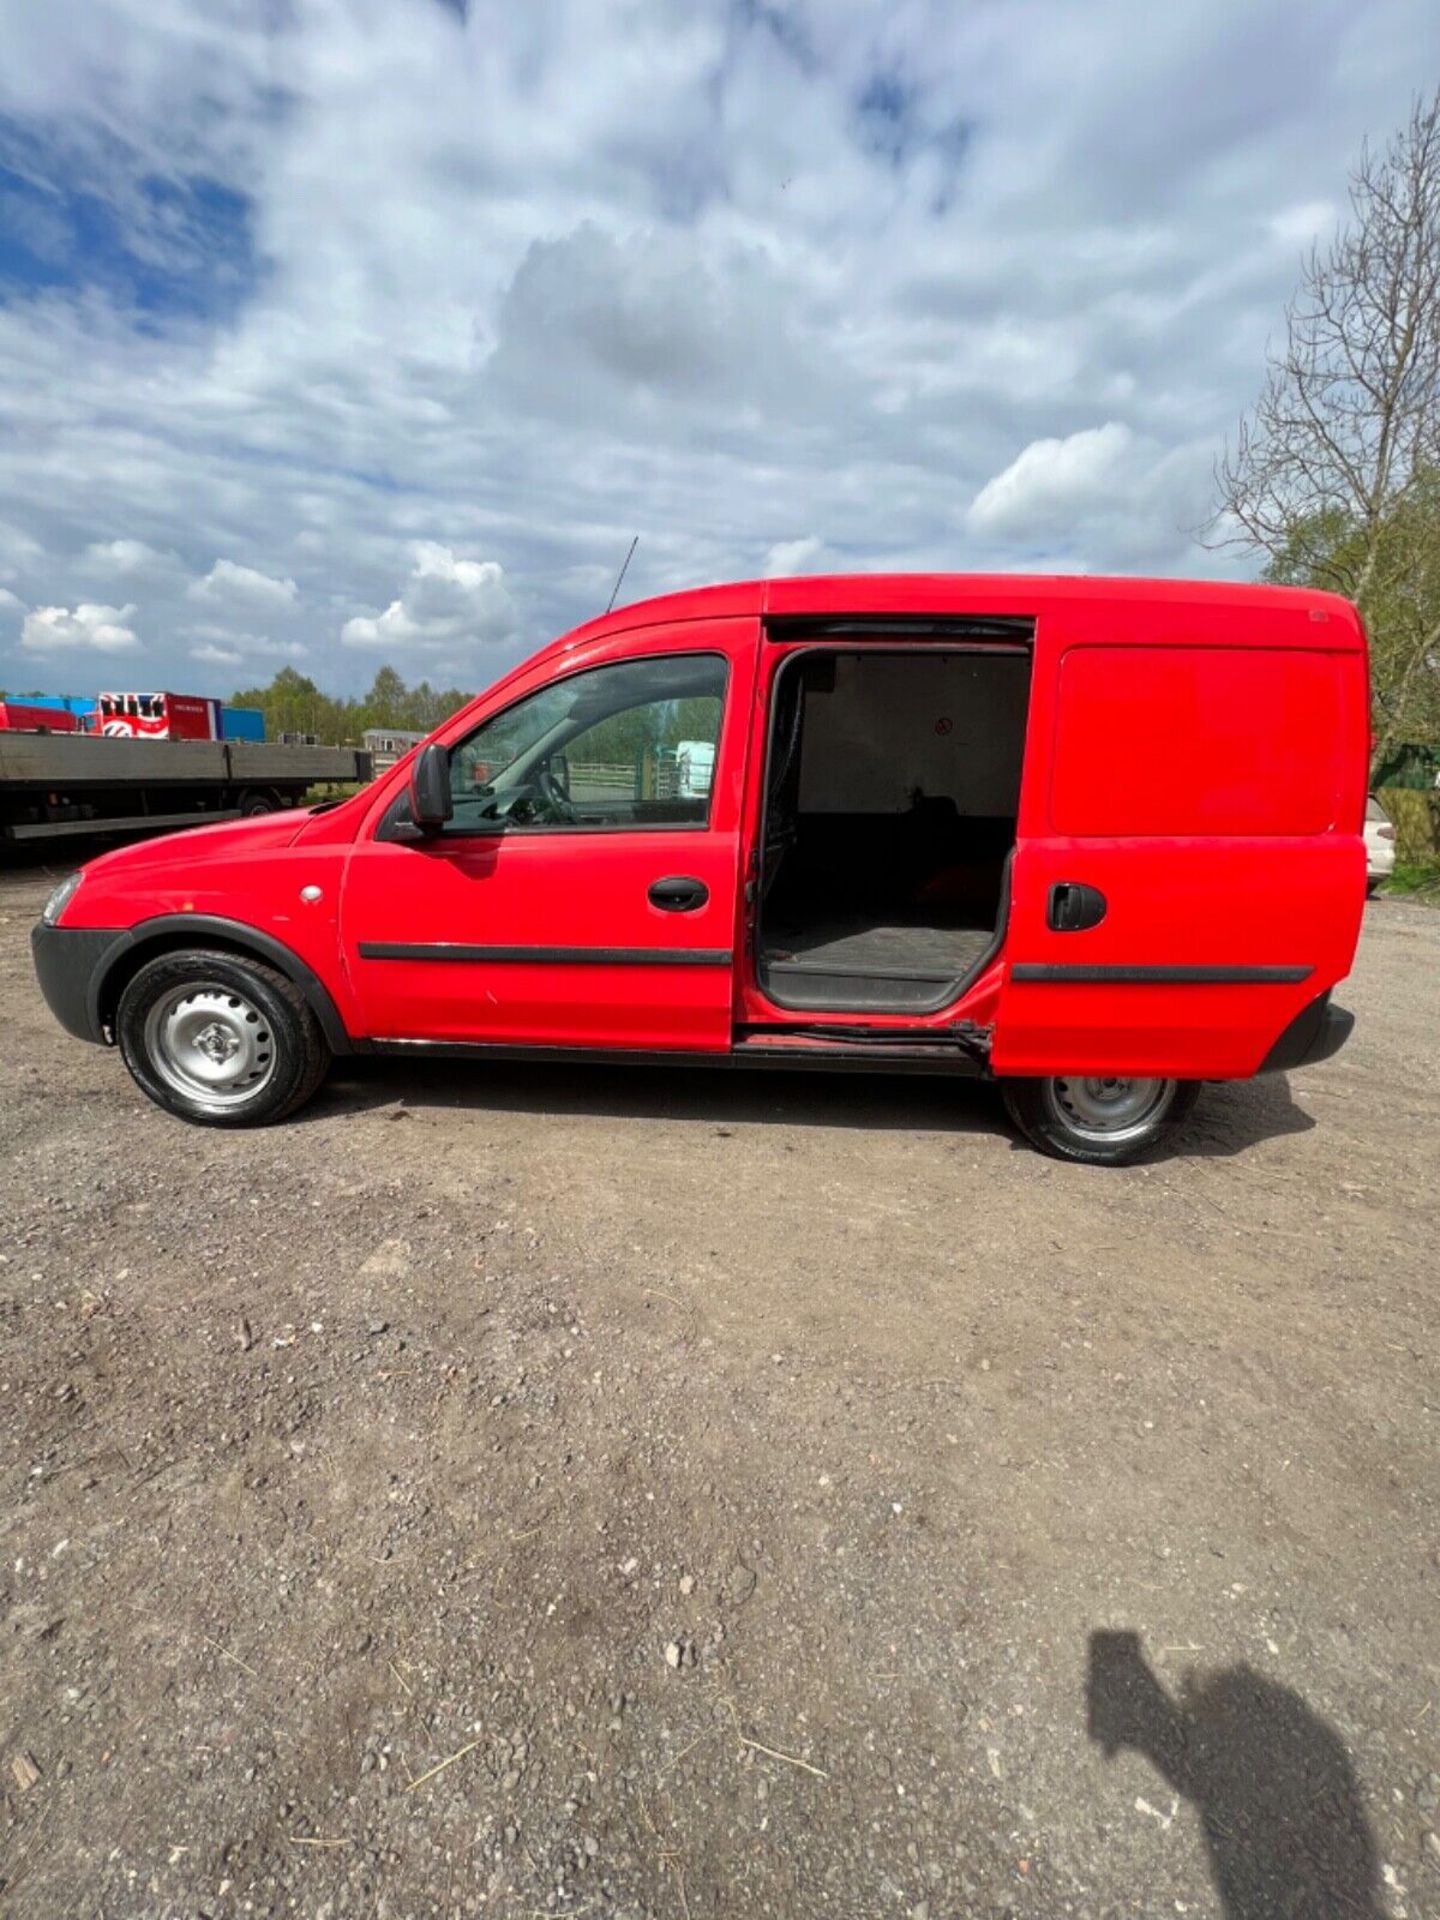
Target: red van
x: 1098, y: 840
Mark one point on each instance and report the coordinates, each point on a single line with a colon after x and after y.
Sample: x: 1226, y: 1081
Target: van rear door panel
x: 1211, y: 793
x: 1201, y: 961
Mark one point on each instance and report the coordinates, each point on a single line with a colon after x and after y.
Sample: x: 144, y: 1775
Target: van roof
x: 892, y: 595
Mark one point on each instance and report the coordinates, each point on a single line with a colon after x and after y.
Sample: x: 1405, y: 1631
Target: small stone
x: 379, y: 1326
x: 741, y: 1582
x: 674, y: 1654
x: 1432, y: 1846
x: 25, y: 1772
x: 687, y: 1584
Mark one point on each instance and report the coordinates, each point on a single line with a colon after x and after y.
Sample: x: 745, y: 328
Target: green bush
x: 1416, y: 818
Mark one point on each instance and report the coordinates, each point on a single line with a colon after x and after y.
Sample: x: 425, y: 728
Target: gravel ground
x: 534, y: 1491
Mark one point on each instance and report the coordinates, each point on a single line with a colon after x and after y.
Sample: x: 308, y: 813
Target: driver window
x: 629, y: 745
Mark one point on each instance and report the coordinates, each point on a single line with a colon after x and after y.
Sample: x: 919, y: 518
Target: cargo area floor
x: 852, y: 961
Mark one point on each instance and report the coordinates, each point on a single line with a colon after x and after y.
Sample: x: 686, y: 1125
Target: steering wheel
x: 553, y: 794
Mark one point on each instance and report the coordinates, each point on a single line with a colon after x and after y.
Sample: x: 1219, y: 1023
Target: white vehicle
x: 1379, y: 845
x: 695, y: 762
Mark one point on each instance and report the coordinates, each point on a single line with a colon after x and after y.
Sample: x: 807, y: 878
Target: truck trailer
x: 55, y: 785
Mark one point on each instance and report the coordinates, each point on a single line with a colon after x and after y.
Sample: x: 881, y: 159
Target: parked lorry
x: 941, y: 831
x: 56, y: 785
x: 175, y: 716
x: 139, y: 716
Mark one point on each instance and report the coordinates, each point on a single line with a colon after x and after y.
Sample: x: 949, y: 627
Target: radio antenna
x: 623, y: 569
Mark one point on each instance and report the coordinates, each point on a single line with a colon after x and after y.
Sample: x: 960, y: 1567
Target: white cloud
x: 229, y: 585
x: 126, y: 559
x: 8, y: 599
x: 1310, y: 220
x: 248, y: 642
x: 807, y: 555
x: 445, y: 600
x: 99, y: 629
x: 1050, y: 481
x: 218, y: 646
x: 19, y: 551
x: 1102, y: 499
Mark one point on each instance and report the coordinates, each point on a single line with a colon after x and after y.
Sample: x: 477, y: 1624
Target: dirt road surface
x: 533, y: 1491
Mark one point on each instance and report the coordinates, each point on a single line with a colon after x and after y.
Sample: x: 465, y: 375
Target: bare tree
x: 1335, y: 476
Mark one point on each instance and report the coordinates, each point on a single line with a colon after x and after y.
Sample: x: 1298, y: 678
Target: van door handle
x: 1073, y: 907
x: 678, y: 894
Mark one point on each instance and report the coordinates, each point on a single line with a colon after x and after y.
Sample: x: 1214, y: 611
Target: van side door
x: 584, y: 892
x: 1189, y: 871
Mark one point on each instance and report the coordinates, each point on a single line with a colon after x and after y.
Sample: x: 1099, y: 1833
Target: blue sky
x: 349, y: 331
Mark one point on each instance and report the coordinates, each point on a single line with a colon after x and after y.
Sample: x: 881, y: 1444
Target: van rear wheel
x: 1099, y: 1120
x: 219, y: 1039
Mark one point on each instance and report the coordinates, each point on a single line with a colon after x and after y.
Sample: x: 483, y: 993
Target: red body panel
x: 192, y: 717
x: 1195, y: 752
x: 1194, y: 766
x: 566, y: 892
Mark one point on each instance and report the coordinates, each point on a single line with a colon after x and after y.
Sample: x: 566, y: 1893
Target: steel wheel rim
x: 209, y: 1043
x: 1109, y: 1109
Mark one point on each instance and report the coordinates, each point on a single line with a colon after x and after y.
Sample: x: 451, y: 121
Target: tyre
x: 1096, y: 1120
x: 254, y: 801
x: 1372, y: 887
x: 219, y: 1039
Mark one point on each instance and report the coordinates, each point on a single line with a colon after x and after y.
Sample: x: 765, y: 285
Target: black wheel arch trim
x: 160, y: 933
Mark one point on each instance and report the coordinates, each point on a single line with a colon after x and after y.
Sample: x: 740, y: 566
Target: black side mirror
x: 431, y: 802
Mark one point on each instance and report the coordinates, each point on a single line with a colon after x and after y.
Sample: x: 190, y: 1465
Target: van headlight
x: 61, y: 898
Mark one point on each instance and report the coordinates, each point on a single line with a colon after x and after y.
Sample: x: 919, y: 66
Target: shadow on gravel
x: 1236, y: 1114
x: 723, y: 1095
x: 1271, y: 1781
x: 1229, y: 1120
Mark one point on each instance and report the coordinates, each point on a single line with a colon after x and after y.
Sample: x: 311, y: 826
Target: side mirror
x: 431, y: 802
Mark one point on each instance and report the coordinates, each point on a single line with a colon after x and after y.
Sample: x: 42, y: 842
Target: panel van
x: 1099, y: 841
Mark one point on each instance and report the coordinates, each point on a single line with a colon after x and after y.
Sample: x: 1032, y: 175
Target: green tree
x: 1333, y: 476
x: 292, y: 703
x: 1394, y: 575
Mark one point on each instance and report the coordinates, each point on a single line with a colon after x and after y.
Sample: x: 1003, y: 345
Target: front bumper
x: 1314, y: 1034
x: 70, y: 964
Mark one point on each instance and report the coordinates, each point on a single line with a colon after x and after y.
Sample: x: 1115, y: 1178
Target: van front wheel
x: 219, y: 1039
x: 1099, y: 1120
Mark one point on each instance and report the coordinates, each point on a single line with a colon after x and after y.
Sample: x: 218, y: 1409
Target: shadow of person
x: 1271, y: 1782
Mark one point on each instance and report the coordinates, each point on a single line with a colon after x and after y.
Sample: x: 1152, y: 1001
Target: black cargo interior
x: 891, y: 793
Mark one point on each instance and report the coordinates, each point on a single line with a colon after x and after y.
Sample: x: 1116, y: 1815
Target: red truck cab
x: 1100, y: 840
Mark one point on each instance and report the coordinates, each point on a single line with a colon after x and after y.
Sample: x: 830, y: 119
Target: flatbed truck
x: 60, y: 785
